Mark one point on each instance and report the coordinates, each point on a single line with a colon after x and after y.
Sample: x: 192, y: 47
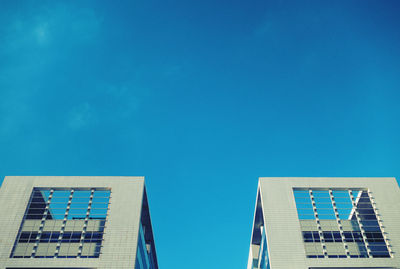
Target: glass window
x: 336, y: 210
x: 303, y: 203
x: 70, y: 208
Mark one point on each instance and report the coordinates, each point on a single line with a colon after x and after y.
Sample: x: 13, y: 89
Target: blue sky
x: 202, y: 98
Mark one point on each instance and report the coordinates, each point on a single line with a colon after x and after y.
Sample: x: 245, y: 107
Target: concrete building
x: 310, y: 223
x: 75, y: 222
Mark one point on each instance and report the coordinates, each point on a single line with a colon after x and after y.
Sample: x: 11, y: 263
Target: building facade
x: 75, y: 222
x: 316, y: 223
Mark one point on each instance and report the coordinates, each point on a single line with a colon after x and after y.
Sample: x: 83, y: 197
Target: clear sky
x: 201, y: 98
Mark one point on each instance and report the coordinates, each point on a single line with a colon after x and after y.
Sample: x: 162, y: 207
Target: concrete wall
x: 120, y: 235
x: 285, y: 242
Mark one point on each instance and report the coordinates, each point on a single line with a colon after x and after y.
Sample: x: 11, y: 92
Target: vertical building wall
x: 122, y: 227
x: 284, y: 233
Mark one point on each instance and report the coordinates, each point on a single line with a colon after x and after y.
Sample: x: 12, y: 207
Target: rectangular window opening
x: 342, y: 216
x: 54, y: 221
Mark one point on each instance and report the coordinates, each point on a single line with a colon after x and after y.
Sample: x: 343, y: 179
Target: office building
x: 316, y: 223
x: 75, y: 222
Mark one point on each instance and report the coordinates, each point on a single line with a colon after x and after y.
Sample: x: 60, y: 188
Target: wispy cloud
x: 81, y: 115
x: 115, y: 103
x: 51, y: 25
x: 41, y: 32
x: 32, y: 42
